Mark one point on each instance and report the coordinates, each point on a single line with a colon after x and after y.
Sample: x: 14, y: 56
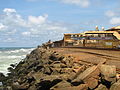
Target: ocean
x: 12, y: 55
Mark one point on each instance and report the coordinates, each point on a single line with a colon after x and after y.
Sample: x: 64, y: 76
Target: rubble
x: 44, y: 69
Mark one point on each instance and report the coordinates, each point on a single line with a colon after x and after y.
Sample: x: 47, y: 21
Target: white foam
x: 11, y: 57
x: 19, y: 51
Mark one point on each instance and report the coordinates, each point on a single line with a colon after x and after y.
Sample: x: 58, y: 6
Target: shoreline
x: 46, y: 69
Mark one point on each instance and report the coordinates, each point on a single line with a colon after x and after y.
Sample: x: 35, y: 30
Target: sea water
x: 12, y: 55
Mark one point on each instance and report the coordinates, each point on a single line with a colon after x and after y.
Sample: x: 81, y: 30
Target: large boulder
x: 108, y: 73
x: 90, y: 73
x: 115, y: 86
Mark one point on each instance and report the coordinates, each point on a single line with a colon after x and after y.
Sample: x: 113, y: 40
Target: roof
x: 117, y: 28
x: 91, y: 32
x: 73, y: 33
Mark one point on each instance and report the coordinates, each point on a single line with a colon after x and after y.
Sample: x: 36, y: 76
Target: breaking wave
x: 18, y: 51
x: 12, y: 56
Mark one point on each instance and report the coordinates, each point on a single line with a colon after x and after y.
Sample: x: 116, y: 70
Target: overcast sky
x: 32, y: 22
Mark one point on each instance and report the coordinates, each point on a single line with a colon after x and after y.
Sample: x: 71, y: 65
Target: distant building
x: 109, y: 38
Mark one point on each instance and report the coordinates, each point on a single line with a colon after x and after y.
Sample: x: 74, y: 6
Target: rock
x: 88, y: 73
x: 101, y: 87
x: 108, y: 73
x: 17, y: 86
x: 37, y: 76
x: 30, y: 79
x: 47, y: 70
x: 33, y: 64
x: 33, y: 87
x: 56, y: 57
x: 2, y: 77
x: 68, y: 61
x: 51, y: 78
x: 91, y: 82
x: 63, y: 65
x: 80, y: 87
x: 62, y: 84
x: 55, y: 71
x: 43, y: 69
x: 47, y: 82
x: 66, y: 70
x: 56, y: 65
x: 118, y: 81
x: 115, y: 86
x: 12, y: 65
x: 80, y: 70
x: 1, y: 88
x: 8, y: 88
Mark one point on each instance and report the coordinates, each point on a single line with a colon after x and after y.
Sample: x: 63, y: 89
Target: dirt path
x: 92, y: 55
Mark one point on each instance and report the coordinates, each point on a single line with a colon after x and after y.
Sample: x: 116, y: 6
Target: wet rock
x: 12, y: 65
x: 2, y: 77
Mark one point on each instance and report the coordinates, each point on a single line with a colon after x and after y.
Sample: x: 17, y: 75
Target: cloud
x: 110, y: 13
x: 115, y: 20
x: 2, y: 27
x: 33, y: 28
x: 82, y: 3
x: 113, y: 17
x: 37, y: 20
x: 9, y: 10
x: 9, y: 40
x: 26, y: 33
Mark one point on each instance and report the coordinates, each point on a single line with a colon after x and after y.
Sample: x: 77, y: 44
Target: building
x: 100, y: 39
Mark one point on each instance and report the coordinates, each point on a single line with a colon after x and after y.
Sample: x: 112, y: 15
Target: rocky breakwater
x: 44, y: 69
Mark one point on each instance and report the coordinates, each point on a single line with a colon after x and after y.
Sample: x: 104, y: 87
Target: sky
x: 28, y: 23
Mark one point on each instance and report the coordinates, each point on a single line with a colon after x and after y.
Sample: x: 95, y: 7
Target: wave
x: 18, y: 51
x: 12, y: 56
